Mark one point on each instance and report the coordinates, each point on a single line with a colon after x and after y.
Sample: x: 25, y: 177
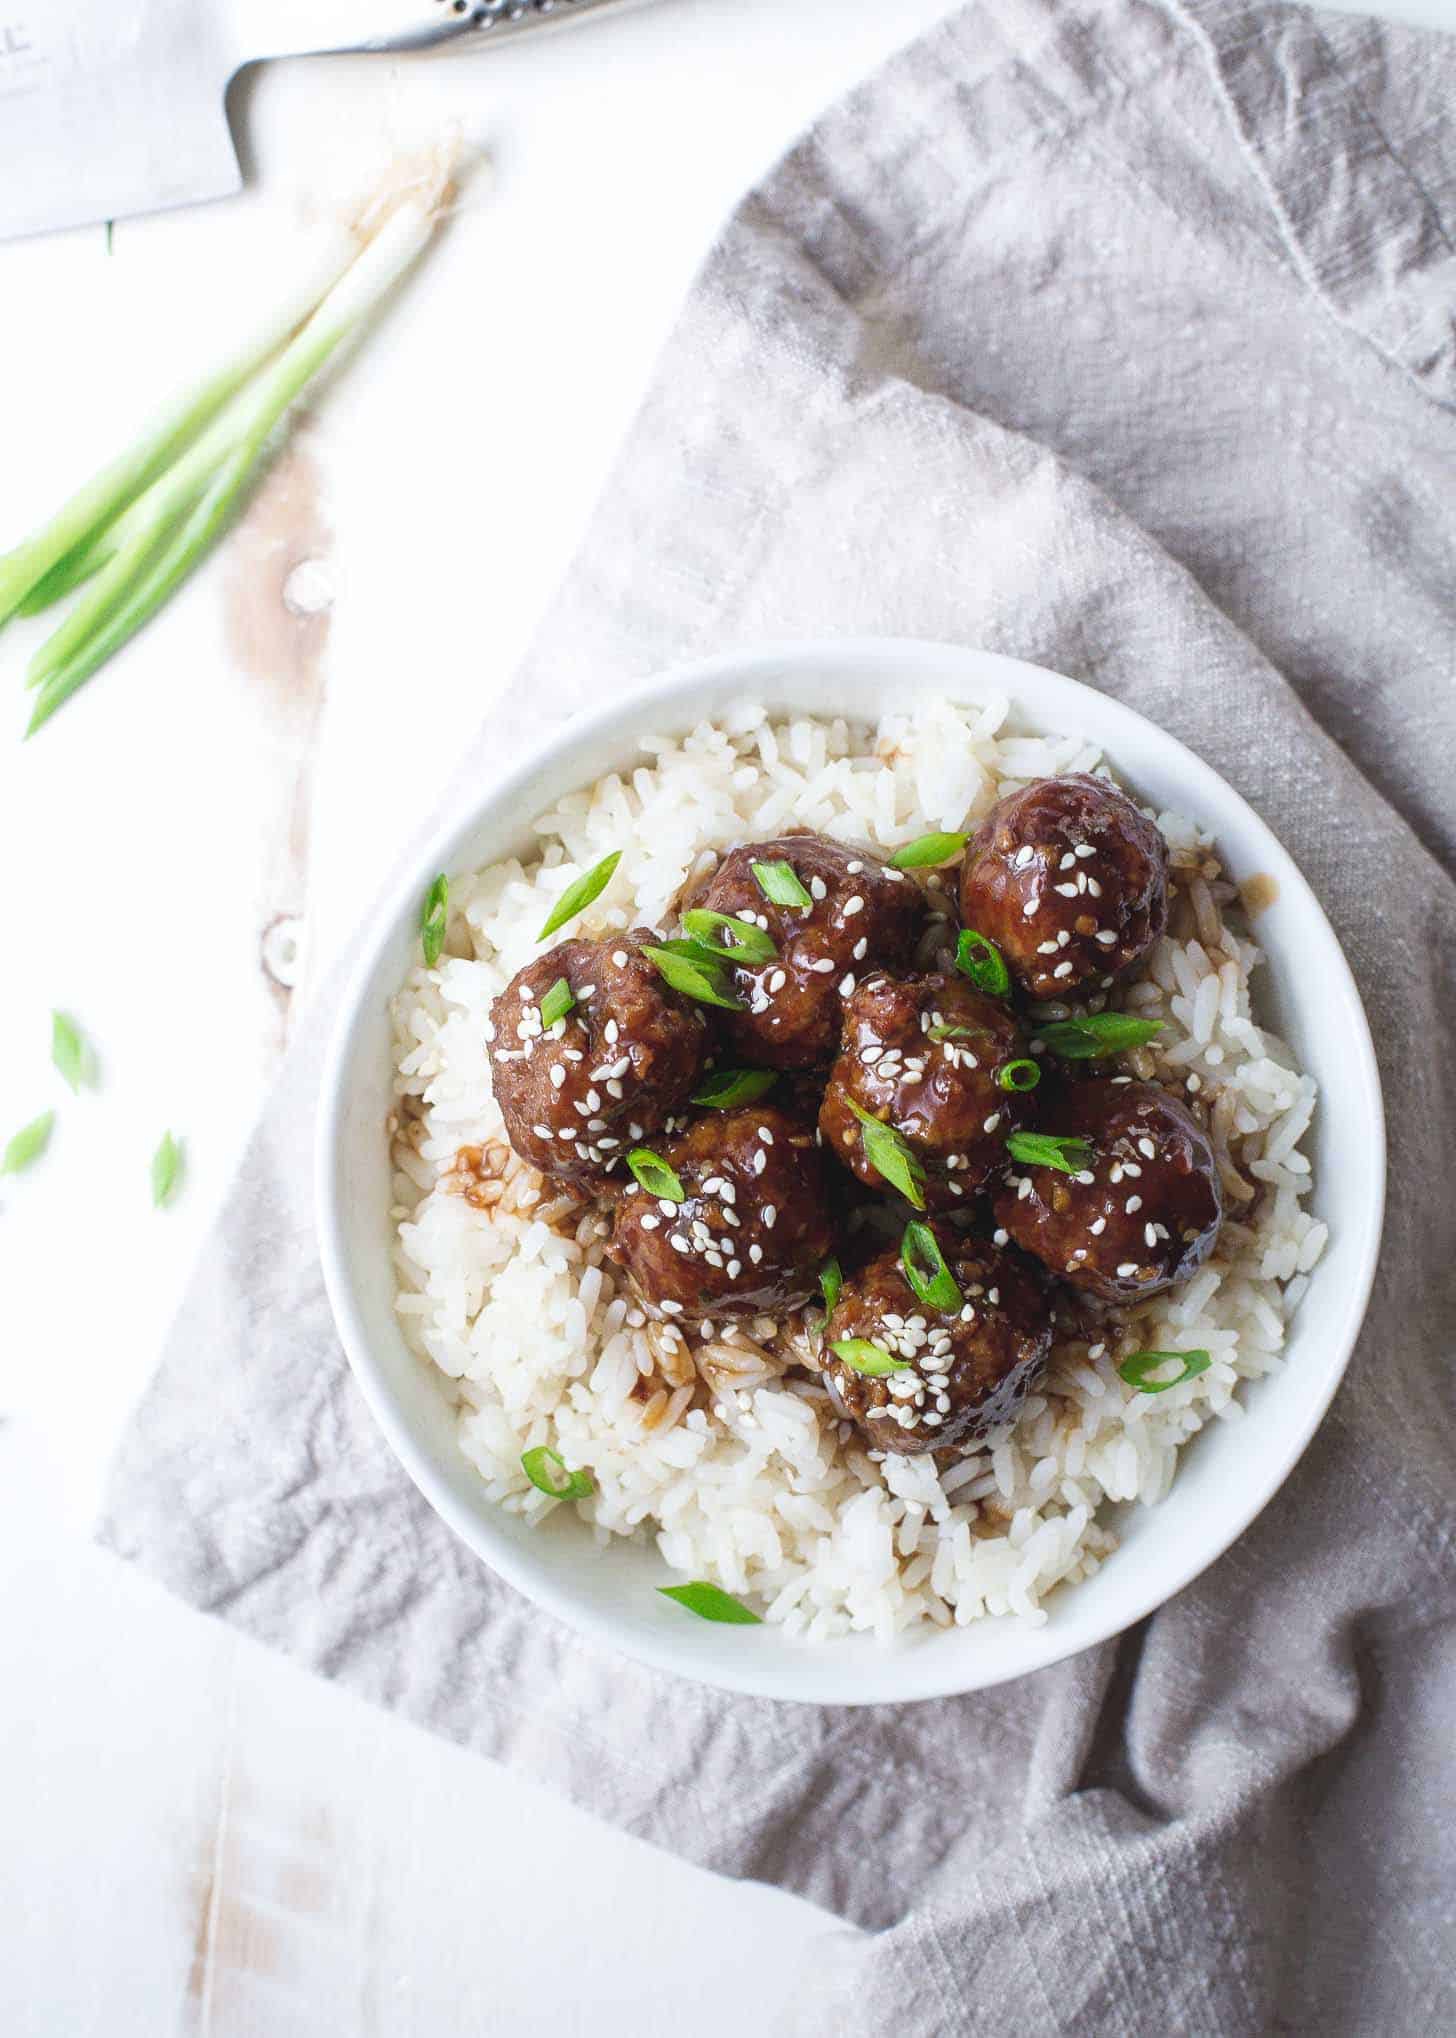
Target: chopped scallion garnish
x: 982, y: 961
x: 727, y: 1088
x: 166, y: 1170
x: 1097, y: 1033
x: 655, y: 1176
x: 434, y: 914
x: 1045, y: 1150
x: 1021, y: 1074
x: 945, y: 1032
x: 926, y: 1269
x: 780, y: 884
x: 547, y: 1471
x: 890, y: 1157
x: 579, y: 895
x: 748, y: 943
x: 28, y: 1144
x: 71, y: 1051
x: 1137, y: 1369
x: 831, y: 1281
x: 711, y: 1602
x: 698, y: 977
x: 928, y: 850
x: 557, y: 1002
x: 861, y: 1356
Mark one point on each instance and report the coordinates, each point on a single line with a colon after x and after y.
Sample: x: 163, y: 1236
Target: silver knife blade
x: 110, y: 107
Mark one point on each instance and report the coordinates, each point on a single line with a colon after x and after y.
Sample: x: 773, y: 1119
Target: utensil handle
x: 279, y: 28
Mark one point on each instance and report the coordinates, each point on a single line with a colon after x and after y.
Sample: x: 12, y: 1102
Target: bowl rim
x: 612, y: 723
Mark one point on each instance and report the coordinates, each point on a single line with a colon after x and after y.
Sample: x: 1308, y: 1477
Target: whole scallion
x: 136, y: 532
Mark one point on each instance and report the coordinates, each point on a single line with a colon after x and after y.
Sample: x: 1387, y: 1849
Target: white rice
x: 731, y: 1458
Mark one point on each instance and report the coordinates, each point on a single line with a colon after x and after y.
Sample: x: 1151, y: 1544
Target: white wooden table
x: 199, y: 1839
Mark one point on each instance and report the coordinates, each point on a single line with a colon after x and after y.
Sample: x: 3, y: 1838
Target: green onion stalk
x: 137, y: 531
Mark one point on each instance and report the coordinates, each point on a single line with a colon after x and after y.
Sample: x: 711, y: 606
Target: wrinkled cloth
x: 1121, y: 338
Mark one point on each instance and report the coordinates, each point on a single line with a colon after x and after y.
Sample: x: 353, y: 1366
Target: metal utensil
x: 112, y: 107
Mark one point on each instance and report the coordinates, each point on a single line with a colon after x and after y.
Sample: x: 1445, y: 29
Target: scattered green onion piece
x: 831, y: 1281
x: 727, y: 1088
x: 28, y: 1144
x: 890, y: 1157
x: 749, y: 944
x: 693, y: 977
x: 578, y: 896
x: 870, y: 1359
x: 711, y: 1602
x: 926, y: 1270
x: 546, y: 1470
x: 714, y: 960
x: 780, y: 884
x: 982, y: 961
x: 1136, y: 1369
x: 557, y: 1002
x: 1096, y: 1034
x: 944, y: 1032
x: 656, y: 1177
x: 1045, y: 1150
x: 71, y: 1052
x: 1021, y: 1074
x: 166, y: 1170
x: 928, y: 850
x: 434, y: 914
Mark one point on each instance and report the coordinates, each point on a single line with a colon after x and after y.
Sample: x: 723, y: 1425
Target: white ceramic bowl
x: 1227, y: 1473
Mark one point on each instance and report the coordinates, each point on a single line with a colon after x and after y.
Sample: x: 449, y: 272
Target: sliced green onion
x: 656, y: 1177
x: 1044, y: 1150
x: 1021, y: 1074
x: 166, y: 1170
x: 142, y: 527
x: 926, y: 1270
x: 863, y: 1357
x: 71, y: 1052
x: 28, y: 1144
x: 434, y: 914
x: 944, y: 1032
x: 694, y: 977
x: 546, y: 1470
x: 557, y: 1002
x: 831, y: 1281
x: 928, y: 850
x: 727, y: 1088
x: 780, y: 884
x: 711, y: 1602
x: 578, y: 896
x: 982, y: 961
x: 1096, y: 1034
x: 749, y: 944
x: 1136, y: 1369
x: 889, y: 1156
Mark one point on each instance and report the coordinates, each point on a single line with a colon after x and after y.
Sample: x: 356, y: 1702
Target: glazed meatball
x: 626, y: 1057
x: 752, y: 1230
x: 921, y: 1055
x: 969, y: 1367
x: 1069, y: 880
x: 861, y: 915
x: 1144, y: 1211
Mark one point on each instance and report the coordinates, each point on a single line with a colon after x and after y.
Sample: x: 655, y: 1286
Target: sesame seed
x: 619, y: 958
x: 650, y: 1220
x: 1065, y: 891
x: 1085, y: 1176
x: 734, y: 1269
x: 543, y: 1132
x: 853, y: 869
x: 846, y: 984
x: 1063, y: 939
x: 566, y: 1131
x: 1000, y: 1238
x: 558, y: 1076
x: 990, y: 1124
x: 861, y: 948
x: 678, y: 1243
x: 776, y: 981
x: 824, y: 966
x: 1063, y: 969
x: 1025, y: 855
x: 1046, y: 948
x: 816, y: 888
x: 1132, y: 1204
x: 770, y: 1216
x: 668, y: 1209
x: 1106, y: 936
x: 1023, y: 1188
x: 1084, y: 849
x: 760, y: 1162
x: 1097, y: 1226
x: 755, y: 1253
x: 1147, y: 1149
x: 1150, y: 1234
x: 1028, y: 909
x: 1127, y: 1269
x: 765, y: 1135
x: 1094, y: 890
x: 671, y: 1308
x: 1068, y: 862
x: 853, y: 906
